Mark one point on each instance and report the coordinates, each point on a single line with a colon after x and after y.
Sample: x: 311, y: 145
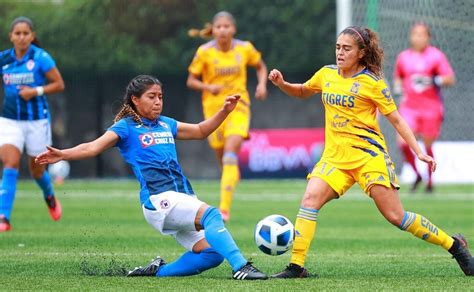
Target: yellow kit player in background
x: 355, y: 151
x: 219, y: 68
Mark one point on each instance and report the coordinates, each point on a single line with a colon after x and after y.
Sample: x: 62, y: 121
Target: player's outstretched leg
x: 422, y: 228
x: 190, y: 263
x: 220, y: 239
x: 149, y: 270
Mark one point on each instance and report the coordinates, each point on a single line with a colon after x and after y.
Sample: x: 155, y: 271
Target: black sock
x: 455, y: 246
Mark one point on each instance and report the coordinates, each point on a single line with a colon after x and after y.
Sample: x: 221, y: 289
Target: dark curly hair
x: 136, y: 87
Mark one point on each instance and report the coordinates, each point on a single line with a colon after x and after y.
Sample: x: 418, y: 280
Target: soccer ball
x: 59, y: 171
x: 274, y: 235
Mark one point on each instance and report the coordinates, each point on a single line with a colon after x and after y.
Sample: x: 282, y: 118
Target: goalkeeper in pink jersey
x: 420, y: 72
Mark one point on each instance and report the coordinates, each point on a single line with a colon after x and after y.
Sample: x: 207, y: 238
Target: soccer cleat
x: 292, y: 271
x: 462, y: 255
x: 150, y: 270
x: 225, y: 215
x: 429, y: 188
x: 4, y: 224
x: 416, y: 183
x: 249, y: 272
x: 55, y: 210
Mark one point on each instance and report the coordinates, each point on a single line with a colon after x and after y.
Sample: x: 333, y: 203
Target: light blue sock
x: 220, y: 239
x: 7, y: 191
x: 191, y: 263
x: 44, y: 182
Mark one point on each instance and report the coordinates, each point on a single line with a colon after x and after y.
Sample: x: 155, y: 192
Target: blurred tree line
x: 99, y: 45
x: 151, y: 35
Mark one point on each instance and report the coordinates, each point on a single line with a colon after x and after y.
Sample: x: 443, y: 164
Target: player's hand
x: 214, y: 88
x: 27, y: 92
x: 52, y: 155
x: 428, y: 159
x: 276, y: 77
x: 261, y: 92
x: 230, y: 103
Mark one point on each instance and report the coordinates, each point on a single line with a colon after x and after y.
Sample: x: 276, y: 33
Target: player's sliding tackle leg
x: 229, y: 180
x: 220, y: 239
x: 191, y: 263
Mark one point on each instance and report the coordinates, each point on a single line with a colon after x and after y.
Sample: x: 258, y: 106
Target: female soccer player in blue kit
x: 145, y: 139
x: 28, y: 73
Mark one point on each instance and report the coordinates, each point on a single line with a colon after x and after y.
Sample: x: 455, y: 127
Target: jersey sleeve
x: 5, y: 58
x: 443, y: 67
x: 46, y: 62
x: 121, y: 129
x: 383, y: 98
x: 315, y: 82
x: 172, y: 123
x: 254, y: 56
x: 197, y: 65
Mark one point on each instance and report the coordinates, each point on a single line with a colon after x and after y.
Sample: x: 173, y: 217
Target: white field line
x: 248, y: 197
x: 316, y: 255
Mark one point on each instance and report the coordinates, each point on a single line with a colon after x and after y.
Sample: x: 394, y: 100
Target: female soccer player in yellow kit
x: 355, y: 151
x: 222, y: 65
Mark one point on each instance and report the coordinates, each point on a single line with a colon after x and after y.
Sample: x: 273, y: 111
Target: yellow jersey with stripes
x: 352, y: 132
x: 228, y: 69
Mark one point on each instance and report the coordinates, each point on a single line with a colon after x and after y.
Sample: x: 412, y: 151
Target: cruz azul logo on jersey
x: 155, y: 138
x: 30, y: 65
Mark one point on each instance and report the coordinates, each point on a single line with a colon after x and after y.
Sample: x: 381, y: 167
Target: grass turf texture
x: 103, y: 233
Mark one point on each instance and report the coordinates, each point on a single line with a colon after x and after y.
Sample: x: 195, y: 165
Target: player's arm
x: 445, y: 76
x: 262, y: 72
x: 195, y: 83
x: 406, y: 133
x: 445, y: 81
x: 205, y: 128
x: 291, y: 89
x: 55, y: 85
x: 56, y: 82
x: 81, y: 151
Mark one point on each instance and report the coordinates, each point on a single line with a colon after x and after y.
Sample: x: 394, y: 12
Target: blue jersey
x: 30, y: 71
x: 151, y: 152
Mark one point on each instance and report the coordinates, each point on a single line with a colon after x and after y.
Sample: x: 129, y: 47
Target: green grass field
x: 103, y: 232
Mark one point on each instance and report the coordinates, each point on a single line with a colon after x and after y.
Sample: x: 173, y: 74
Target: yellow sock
x: 305, y: 228
x: 230, y: 178
x: 422, y: 228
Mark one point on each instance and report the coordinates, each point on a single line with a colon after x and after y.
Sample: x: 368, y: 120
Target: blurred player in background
x: 219, y: 68
x: 420, y: 72
x: 355, y: 151
x: 146, y: 140
x: 29, y: 73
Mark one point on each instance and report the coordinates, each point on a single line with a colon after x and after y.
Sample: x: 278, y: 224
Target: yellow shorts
x: 237, y: 123
x: 378, y: 170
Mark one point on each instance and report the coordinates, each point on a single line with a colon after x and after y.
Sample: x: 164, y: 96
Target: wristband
x: 438, y: 80
x: 39, y: 91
